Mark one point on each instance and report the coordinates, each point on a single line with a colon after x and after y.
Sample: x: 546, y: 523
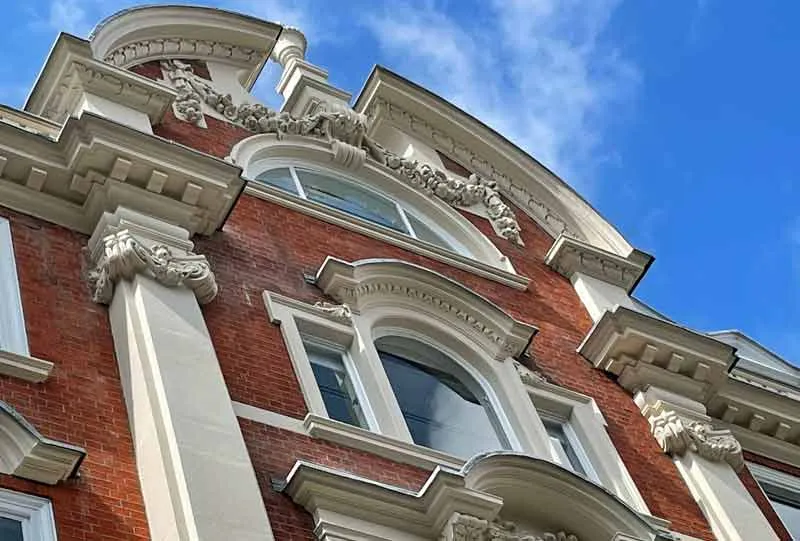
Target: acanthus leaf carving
x: 677, y: 436
x: 124, y: 256
x: 463, y: 527
x: 346, y: 131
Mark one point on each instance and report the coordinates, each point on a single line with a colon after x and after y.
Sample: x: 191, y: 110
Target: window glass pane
x: 425, y: 233
x: 10, y: 529
x: 563, y: 447
x: 790, y: 515
x: 335, y: 385
x: 440, y: 411
x: 351, y: 198
x: 280, y: 178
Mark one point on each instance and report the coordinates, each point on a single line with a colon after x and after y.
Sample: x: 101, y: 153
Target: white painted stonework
x: 195, y: 473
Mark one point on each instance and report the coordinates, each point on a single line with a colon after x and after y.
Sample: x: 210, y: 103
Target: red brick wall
x: 758, y: 494
x: 81, y: 403
x: 264, y: 246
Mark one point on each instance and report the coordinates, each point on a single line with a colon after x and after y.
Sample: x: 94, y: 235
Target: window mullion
x: 300, y: 190
x: 406, y: 221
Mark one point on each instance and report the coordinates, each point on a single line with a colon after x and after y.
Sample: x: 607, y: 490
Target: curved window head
x: 356, y: 200
x: 444, y: 408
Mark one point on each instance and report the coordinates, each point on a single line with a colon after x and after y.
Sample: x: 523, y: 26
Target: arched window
x: 357, y: 200
x: 444, y: 407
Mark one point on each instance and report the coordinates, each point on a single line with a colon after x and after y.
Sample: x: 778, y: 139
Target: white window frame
x: 452, y: 243
x: 777, y: 479
x: 34, y: 513
x: 586, y: 426
x: 13, y: 338
x: 575, y: 444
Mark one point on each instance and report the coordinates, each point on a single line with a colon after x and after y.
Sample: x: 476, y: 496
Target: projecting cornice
x: 471, y: 503
x: 373, y: 283
x: 24, y: 452
x: 644, y: 352
x: 568, y: 256
x: 389, y: 98
x: 71, y: 72
x: 95, y: 165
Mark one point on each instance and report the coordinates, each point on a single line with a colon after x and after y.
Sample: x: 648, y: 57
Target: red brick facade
x: 265, y: 246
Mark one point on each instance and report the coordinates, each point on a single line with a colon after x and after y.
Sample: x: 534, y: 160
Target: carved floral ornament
x: 123, y: 257
x: 346, y: 131
x: 677, y: 436
x: 468, y: 528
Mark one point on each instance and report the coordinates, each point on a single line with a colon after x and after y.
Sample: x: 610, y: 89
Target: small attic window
x: 453, y: 166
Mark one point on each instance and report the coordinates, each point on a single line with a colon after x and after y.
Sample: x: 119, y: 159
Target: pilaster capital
x: 679, y: 430
x: 123, y: 247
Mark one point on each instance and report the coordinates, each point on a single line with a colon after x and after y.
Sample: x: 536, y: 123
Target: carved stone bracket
x: 677, y: 436
x: 346, y: 131
x: 124, y: 256
x: 468, y: 528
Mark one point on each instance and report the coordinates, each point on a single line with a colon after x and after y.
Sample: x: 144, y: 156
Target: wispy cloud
x: 535, y: 70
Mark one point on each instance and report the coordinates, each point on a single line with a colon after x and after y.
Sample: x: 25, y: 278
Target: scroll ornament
x: 346, y: 131
x: 124, y: 257
x: 340, y: 312
x: 678, y: 436
x: 468, y: 528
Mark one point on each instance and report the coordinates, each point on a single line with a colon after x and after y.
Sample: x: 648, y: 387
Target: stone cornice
x: 568, y: 256
x: 123, y: 257
x: 374, y: 282
x: 97, y: 164
x: 387, y: 97
x: 71, y: 71
x: 27, y: 454
x: 453, y: 503
x: 643, y: 350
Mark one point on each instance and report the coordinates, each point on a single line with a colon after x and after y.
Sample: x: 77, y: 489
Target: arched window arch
x: 348, y: 195
x: 445, y: 233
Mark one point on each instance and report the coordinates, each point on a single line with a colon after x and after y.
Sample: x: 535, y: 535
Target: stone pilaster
x: 196, y: 477
x: 707, y: 458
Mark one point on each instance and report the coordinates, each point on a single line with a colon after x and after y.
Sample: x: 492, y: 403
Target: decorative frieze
x: 462, y: 527
x: 346, y: 131
x: 123, y: 257
x: 145, y: 50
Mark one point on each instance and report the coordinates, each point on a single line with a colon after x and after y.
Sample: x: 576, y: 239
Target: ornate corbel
x: 468, y: 528
x: 123, y: 257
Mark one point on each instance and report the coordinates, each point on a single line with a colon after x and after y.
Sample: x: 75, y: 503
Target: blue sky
x: 677, y: 120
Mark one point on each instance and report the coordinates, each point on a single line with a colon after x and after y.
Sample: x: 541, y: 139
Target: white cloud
x: 535, y: 70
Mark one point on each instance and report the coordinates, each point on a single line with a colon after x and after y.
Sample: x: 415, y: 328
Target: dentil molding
x: 346, y: 132
x: 123, y: 257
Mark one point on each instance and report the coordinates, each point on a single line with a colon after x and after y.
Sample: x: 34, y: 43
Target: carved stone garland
x: 346, y: 130
x: 124, y: 257
x: 677, y: 436
x: 468, y: 528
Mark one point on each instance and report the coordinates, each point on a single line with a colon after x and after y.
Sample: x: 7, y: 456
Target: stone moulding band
x: 346, y: 130
x: 124, y: 257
